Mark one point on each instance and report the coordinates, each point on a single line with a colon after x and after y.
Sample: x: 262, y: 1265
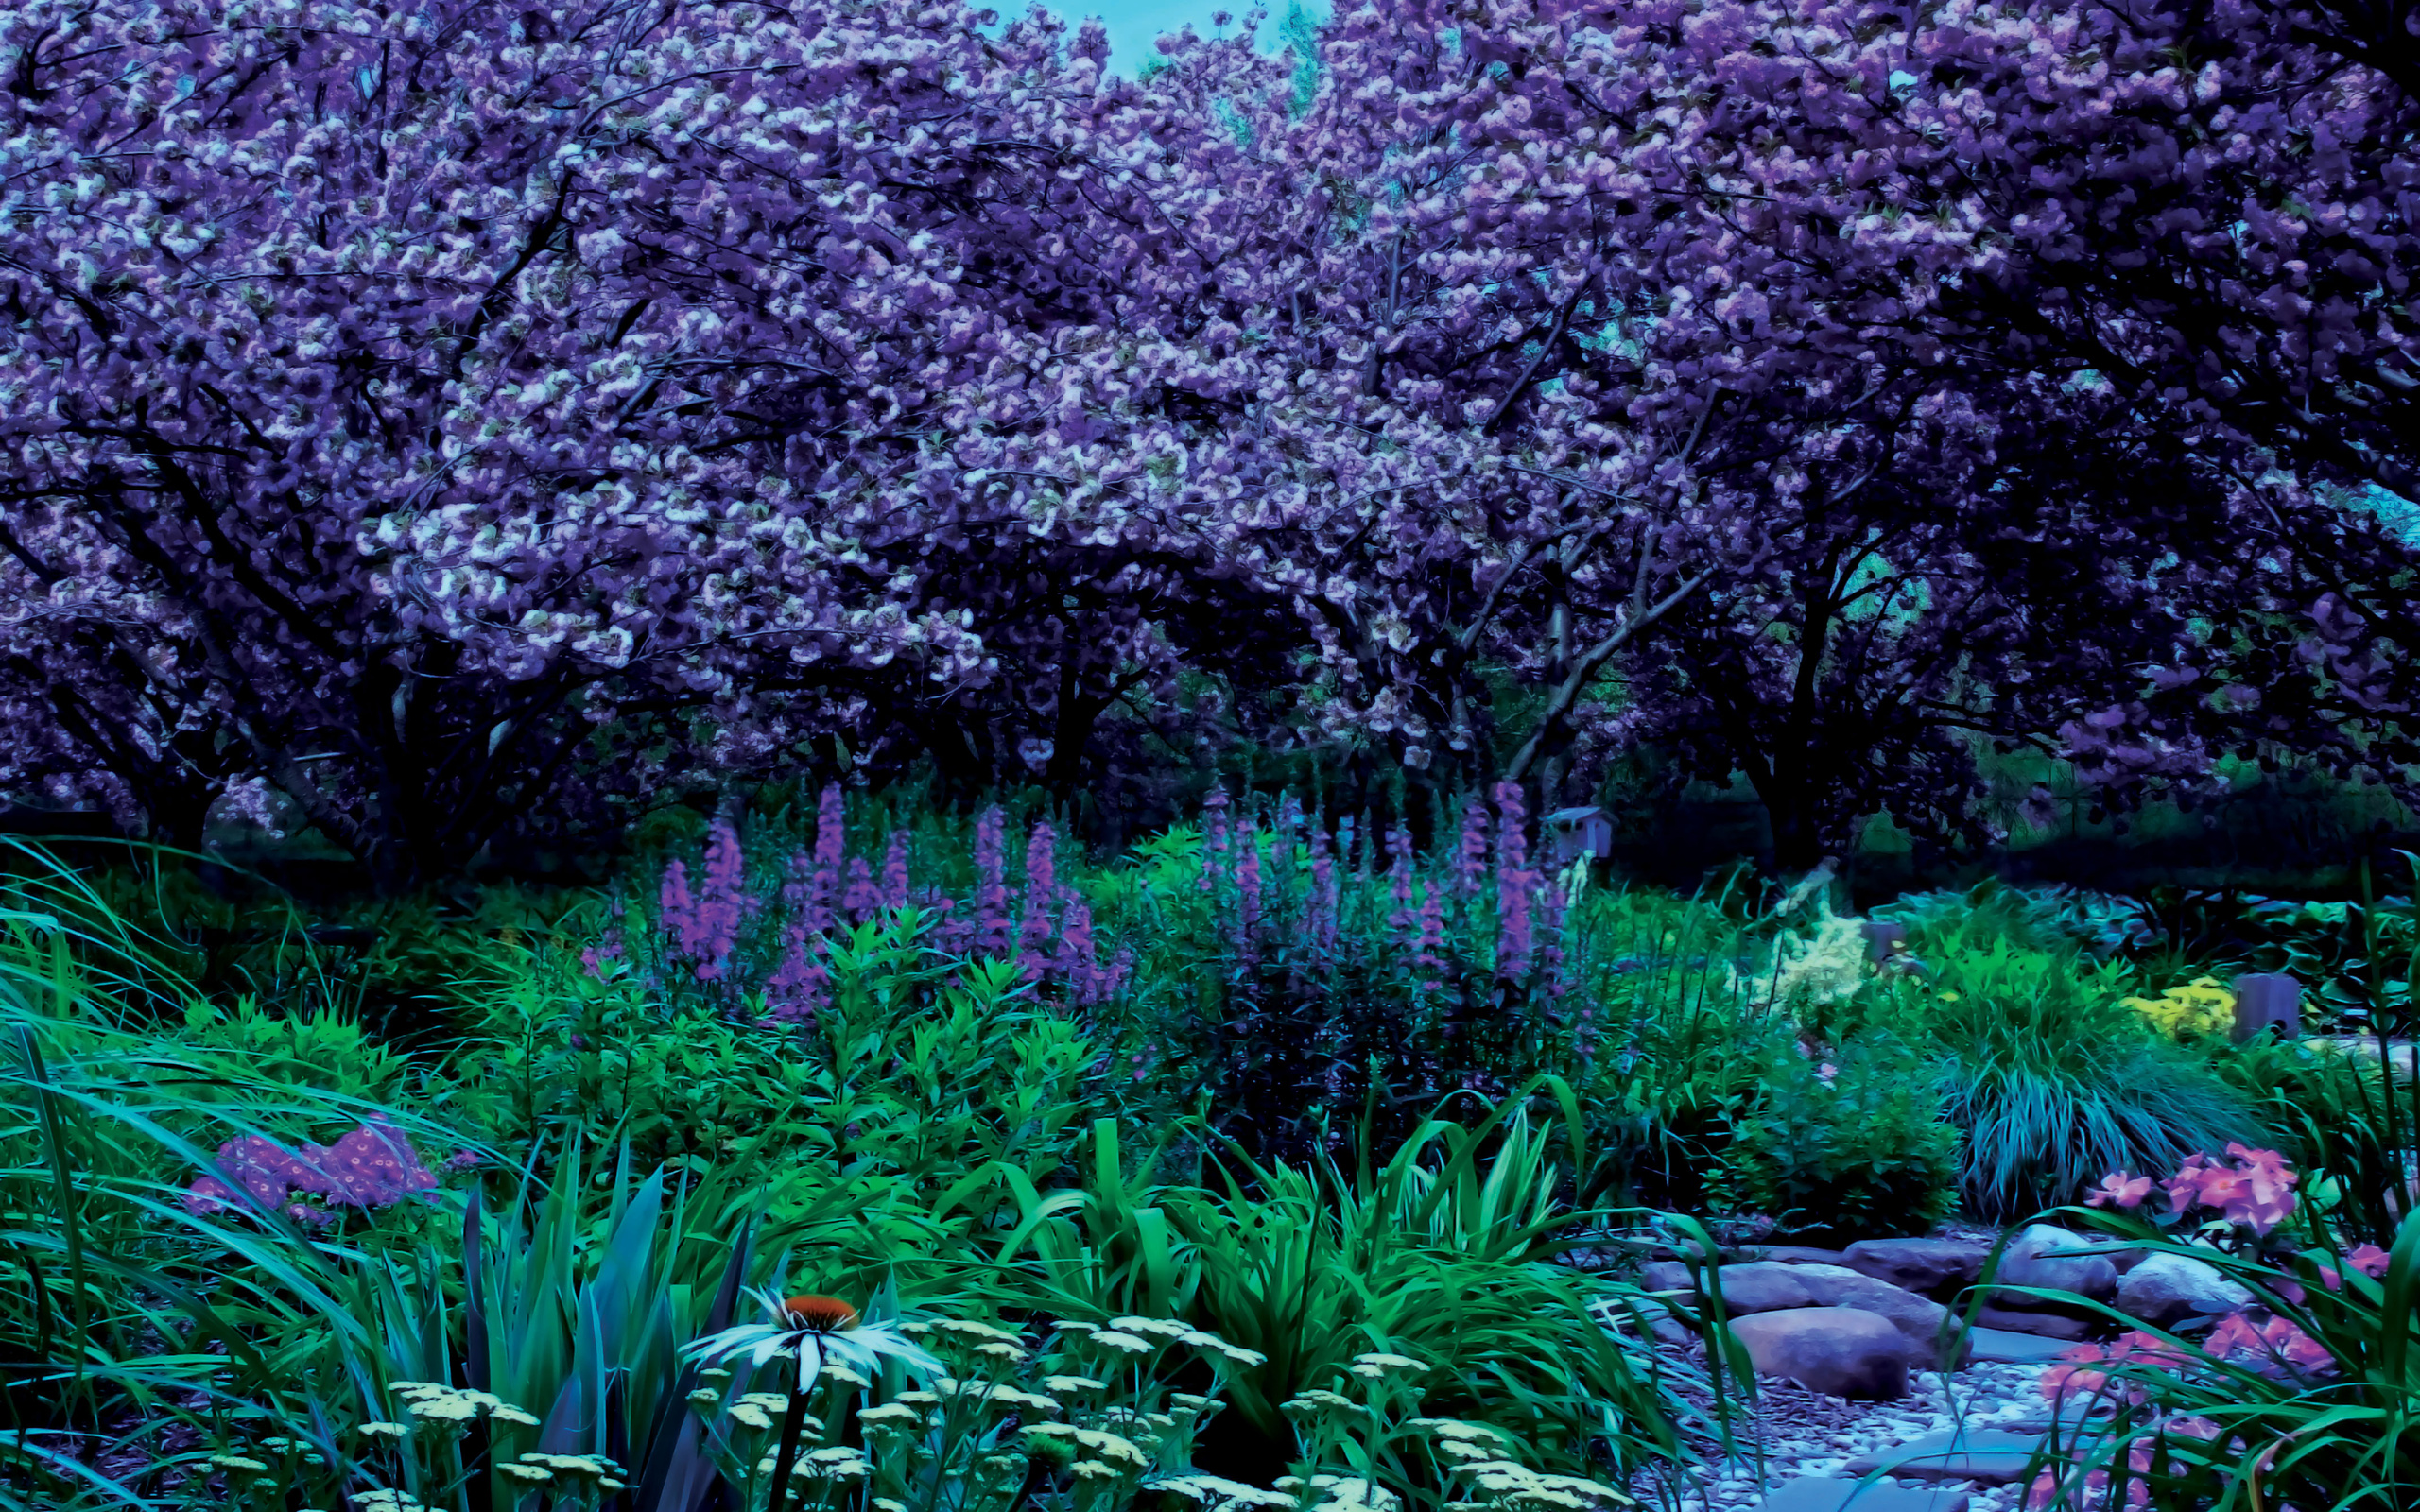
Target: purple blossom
x: 991, y: 919
x: 1214, y: 838
x: 721, y: 903
x: 894, y: 871
x: 1514, y: 883
x: 373, y: 1166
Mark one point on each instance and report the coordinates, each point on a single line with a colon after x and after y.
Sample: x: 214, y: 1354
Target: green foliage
x: 912, y: 1078
x: 1861, y: 1152
x: 2051, y: 1079
x: 1442, y: 1254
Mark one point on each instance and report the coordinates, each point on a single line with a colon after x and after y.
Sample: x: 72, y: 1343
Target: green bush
x: 1850, y: 1147
x: 2051, y: 1079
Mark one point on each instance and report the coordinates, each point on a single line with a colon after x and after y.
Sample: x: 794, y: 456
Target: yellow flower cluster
x: 2201, y: 1008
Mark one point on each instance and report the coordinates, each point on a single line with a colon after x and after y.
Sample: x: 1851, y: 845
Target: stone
x: 1920, y: 1320
x: 1794, y: 1255
x: 1762, y: 1286
x: 2049, y: 1325
x: 2076, y: 1416
x: 2169, y: 1289
x: 1841, y: 1351
x: 1988, y: 1456
x: 1933, y: 1266
x: 1666, y: 1275
x: 2001, y: 1347
x: 2037, y: 1257
x: 1830, y: 1493
x: 1658, y: 1318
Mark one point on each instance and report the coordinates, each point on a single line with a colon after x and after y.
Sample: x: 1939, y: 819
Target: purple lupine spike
x: 990, y: 935
x: 1323, y: 899
x: 1514, y: 883
x: 1079, y: 959
x: 676, y: 910
x: 1247, y: 890
x: 1425, y: 960
x: 1401, y: 919
x: 1214, y: 838
x: 721, y: 903
x: 861, y: 898
x: 1470, y: 855
x: 895, y: 870
x: 1553, y: 960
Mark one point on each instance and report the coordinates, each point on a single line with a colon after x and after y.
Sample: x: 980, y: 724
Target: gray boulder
x: 1762, y: 1286
x: 1933, y: 1267
x: 1920, y: 1320
x: 2046, y: 1256
x: 2169, y: 1289
x: 1841, y: 1351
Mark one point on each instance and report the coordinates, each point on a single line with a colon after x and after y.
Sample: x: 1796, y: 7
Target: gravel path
x: 1796, y: 1432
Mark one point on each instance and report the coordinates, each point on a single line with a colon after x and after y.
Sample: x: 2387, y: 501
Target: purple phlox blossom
x: 373, y: 1166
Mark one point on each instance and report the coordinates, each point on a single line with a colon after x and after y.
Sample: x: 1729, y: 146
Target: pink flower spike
x: 2369, y: 1259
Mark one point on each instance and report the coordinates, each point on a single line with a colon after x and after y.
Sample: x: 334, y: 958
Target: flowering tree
x: 412, y: 402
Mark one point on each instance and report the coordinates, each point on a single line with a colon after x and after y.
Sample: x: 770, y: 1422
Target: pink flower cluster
x: 2256, y: 1191
x: 374, y: 1166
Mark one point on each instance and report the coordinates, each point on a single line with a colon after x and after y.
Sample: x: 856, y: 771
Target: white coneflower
x: 825, y: 1336
x: 811, y: 1330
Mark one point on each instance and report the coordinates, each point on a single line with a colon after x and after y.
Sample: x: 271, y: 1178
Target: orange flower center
x: 825, y: 1314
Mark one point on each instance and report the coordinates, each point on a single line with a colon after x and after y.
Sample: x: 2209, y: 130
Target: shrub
x: 1849, y: 1147
x: 2198, y: 1009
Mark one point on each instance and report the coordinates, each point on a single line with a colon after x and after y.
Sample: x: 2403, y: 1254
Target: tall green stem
x: 784, y: 1457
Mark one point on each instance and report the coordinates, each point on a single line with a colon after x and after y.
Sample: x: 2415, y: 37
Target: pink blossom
x: 2119, y: 1187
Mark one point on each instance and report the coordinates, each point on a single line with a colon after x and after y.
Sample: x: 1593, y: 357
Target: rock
x: 1918, y: 1319
x: 1988, y: 1456
x: 2049, y: 1325
x: 1761, y: 1286
x: 2167, y: 1289
x: 1666, y: 1275
x: 1933, y: 1266
x: 1794, y: 1255
x: 2000, y: 1347
x: 2036, y: 1258
x: 1841, y: 1351
x: 1830, y: 1493
x: 1658, y: 1318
